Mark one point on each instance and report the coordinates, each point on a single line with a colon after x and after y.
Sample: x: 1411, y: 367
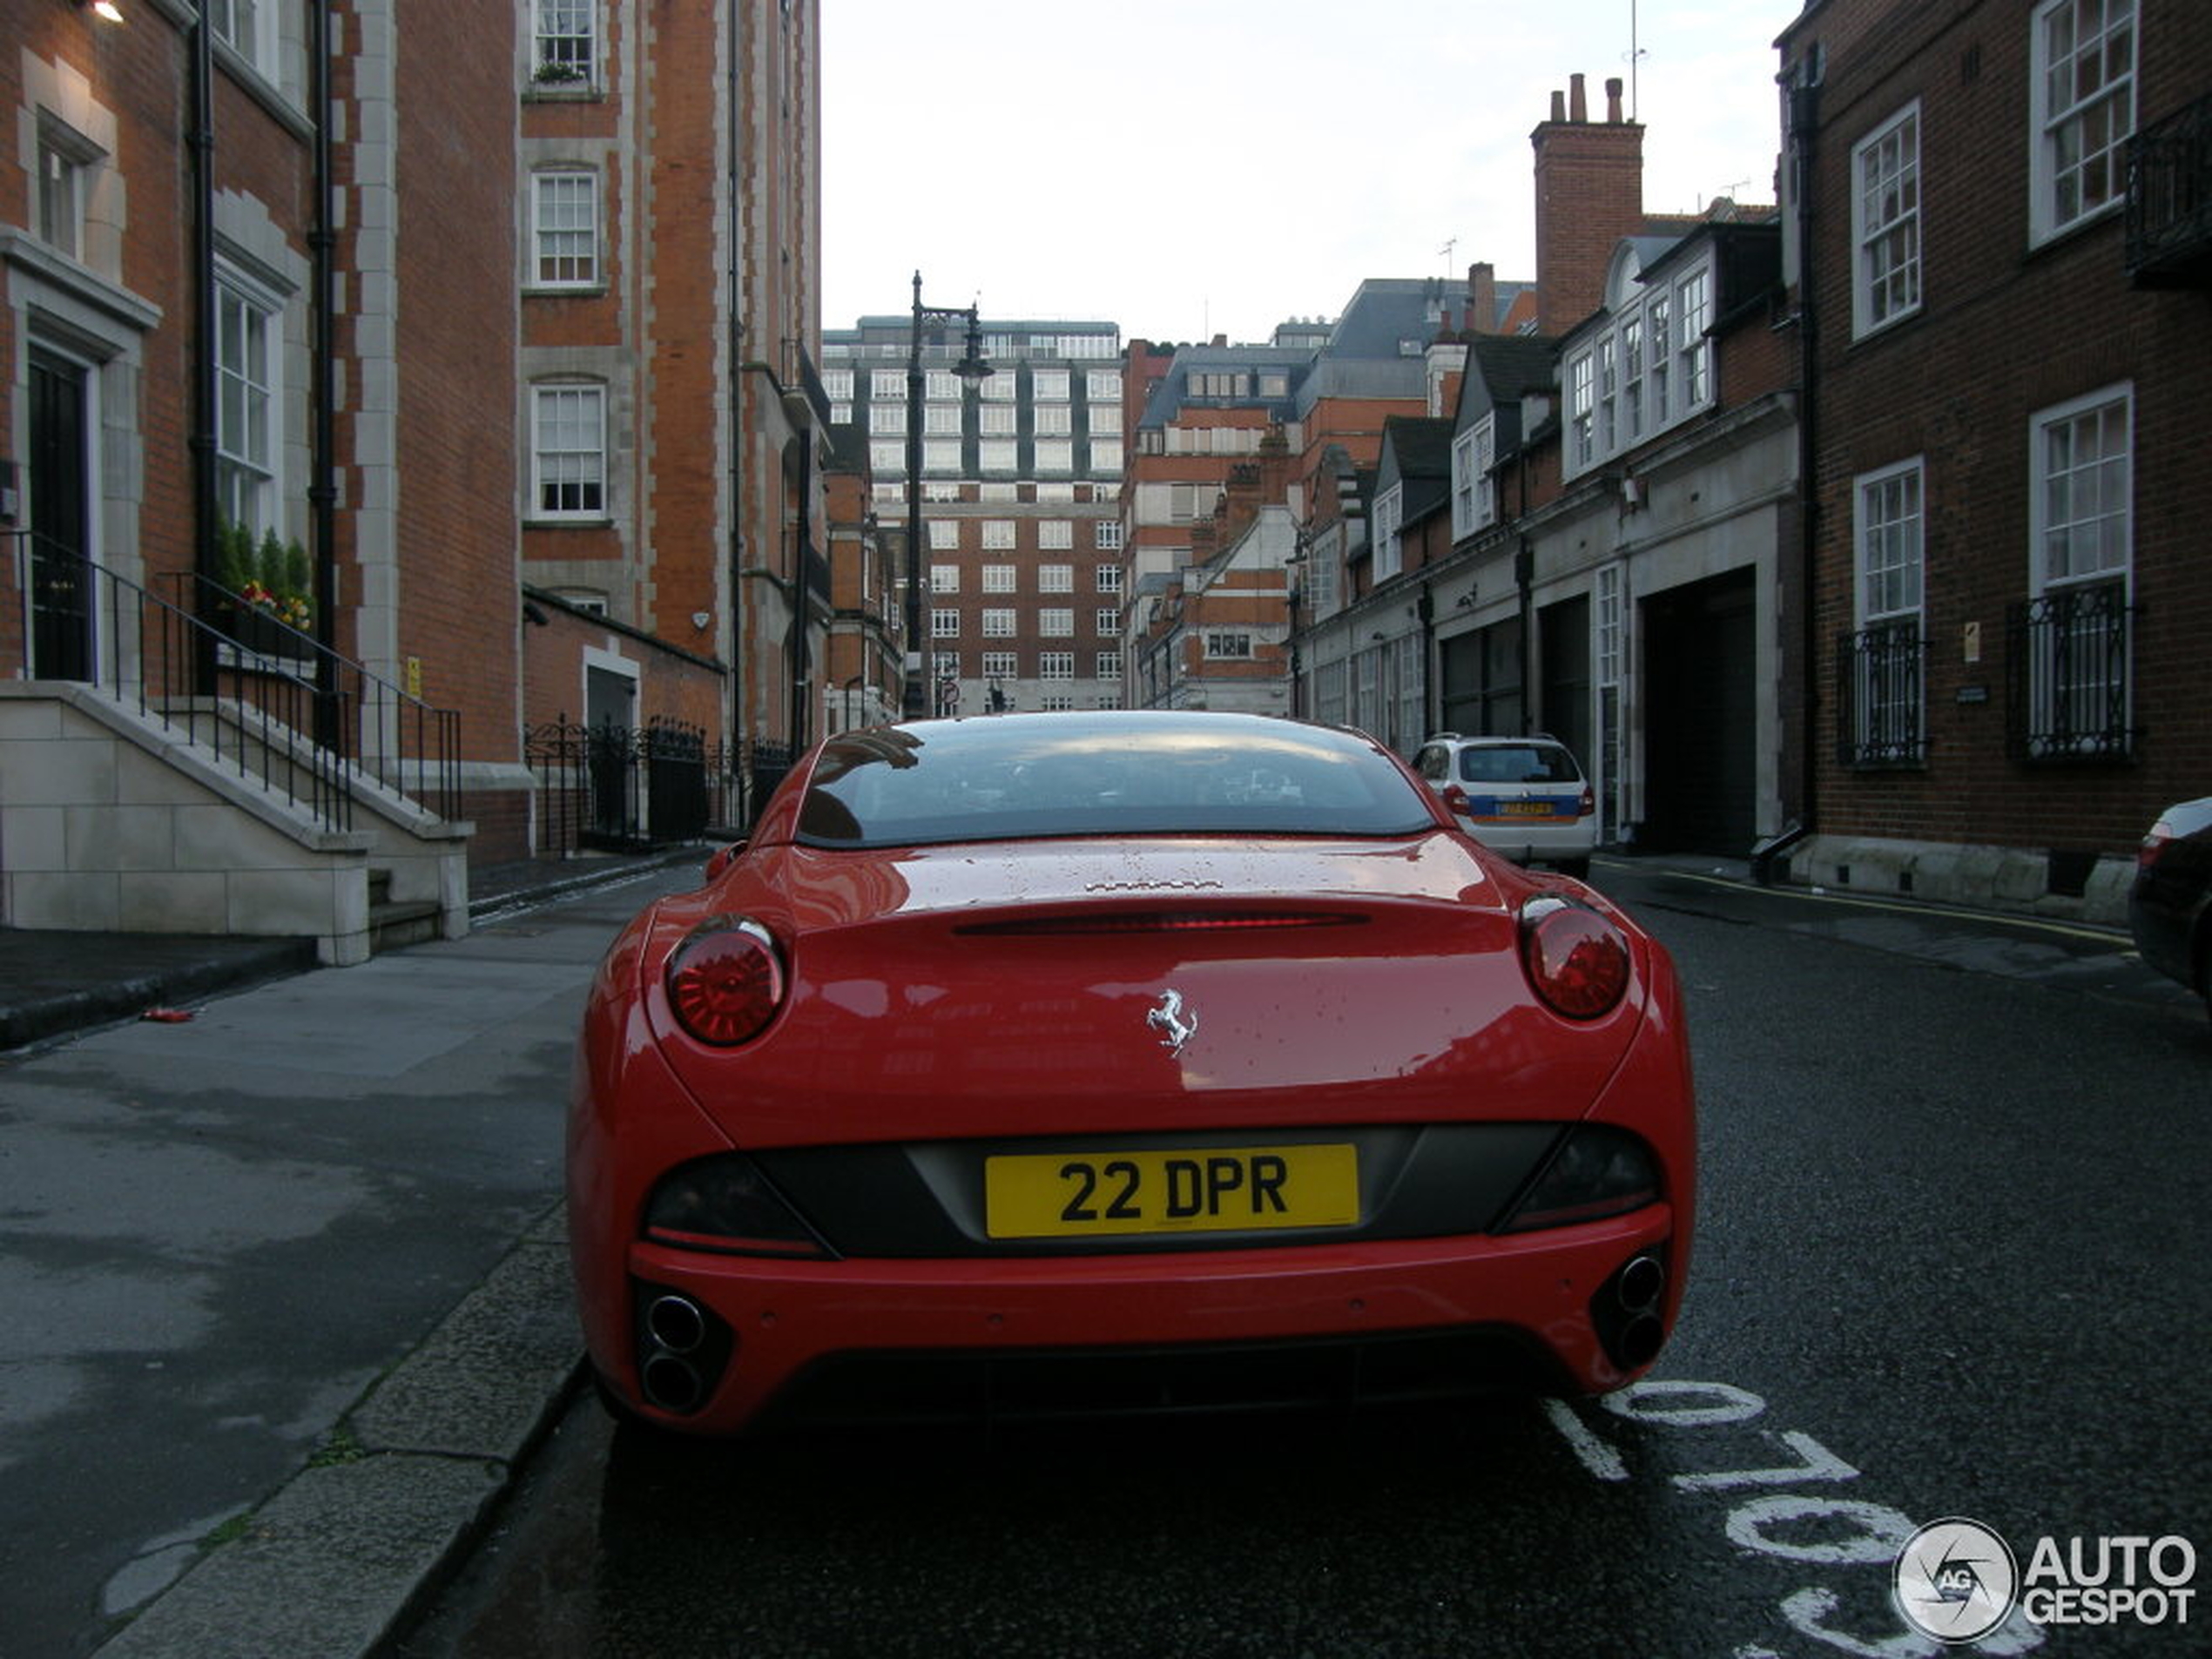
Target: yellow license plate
x: 1526, y: 808
x: 1206, y: 1189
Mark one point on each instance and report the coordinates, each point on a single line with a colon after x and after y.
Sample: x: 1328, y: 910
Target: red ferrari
x: 1081, y: 1063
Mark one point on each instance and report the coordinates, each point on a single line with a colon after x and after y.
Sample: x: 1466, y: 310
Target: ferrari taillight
x: 1576, y: 959
x: 725, y: 982
x: 2153, y: 844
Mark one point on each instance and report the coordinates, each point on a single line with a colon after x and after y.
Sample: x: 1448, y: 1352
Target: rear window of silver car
x: 995, y: 778
x: 1518, y: 763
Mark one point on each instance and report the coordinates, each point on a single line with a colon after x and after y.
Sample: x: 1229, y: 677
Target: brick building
x: 2002, y: 288
x: 1021, y: 492
x: 677, y: 435
x: 254, y: 319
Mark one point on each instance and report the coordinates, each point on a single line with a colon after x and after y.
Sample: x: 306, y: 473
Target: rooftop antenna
x: 1450, y: 242
x: 1635, y: 58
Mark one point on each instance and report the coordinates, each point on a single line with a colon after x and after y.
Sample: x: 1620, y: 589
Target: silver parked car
x: 1523, y: 796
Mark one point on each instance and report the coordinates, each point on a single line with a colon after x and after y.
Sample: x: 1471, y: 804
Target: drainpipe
x: 802, y: 606
x: 735, y: 313
x: 202, y: 145
x: 322, y: 491
x: 1804, y: 106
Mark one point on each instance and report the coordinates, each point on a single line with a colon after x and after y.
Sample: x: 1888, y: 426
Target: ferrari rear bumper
x: 1557, y: 1309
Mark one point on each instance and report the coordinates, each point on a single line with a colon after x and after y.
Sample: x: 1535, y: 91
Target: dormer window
x: 1646, y: 366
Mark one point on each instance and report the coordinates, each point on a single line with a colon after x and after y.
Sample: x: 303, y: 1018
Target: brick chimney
x: 1482, y: 297
x: 1589, y: 194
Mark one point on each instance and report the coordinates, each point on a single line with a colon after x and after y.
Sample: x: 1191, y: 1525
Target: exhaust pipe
x: 1640, y: 1340
x: 675, y: 1323
x: 1640, y: 1284
x: 670, y: 1384
x: 682, y: 1349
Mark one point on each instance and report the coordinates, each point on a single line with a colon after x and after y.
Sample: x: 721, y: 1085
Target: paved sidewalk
x: 286, y: 1283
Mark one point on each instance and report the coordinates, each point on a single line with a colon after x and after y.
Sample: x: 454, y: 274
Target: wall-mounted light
x: 106, y: 10
x: 700, y: 618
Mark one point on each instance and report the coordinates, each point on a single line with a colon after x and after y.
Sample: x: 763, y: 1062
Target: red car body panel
x: 933, y: 997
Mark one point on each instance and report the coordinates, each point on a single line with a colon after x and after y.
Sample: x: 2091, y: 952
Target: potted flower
x: 270, y: 587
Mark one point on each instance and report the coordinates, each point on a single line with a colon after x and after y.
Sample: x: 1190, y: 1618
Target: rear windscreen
x: 995, y: 777
x: 1518, y: 764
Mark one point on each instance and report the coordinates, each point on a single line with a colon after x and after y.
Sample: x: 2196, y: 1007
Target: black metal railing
x: 382, y: 731
x: 271, y: 708
x: 2066, y: 676
x: 622, y: 789
x: 2169, y: 200
x: 1879, y: 696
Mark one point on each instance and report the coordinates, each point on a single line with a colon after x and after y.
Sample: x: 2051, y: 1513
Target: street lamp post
x: 913, y: 701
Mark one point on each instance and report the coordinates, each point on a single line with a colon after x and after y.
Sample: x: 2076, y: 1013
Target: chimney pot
x: 1613, y: 99
x: 1578, y: 100
x: 1559, y: 107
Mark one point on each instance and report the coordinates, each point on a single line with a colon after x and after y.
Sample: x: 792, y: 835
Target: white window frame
x: 556, y: 229
x: 1055, y: 578
x: 249, y: 401
x: 1055, y: 665
x: 1229, y: 645
x: 998, y: 623
x: 587, y: 460
x: 1106, y: 578
x: 1056, y: 622
x: 944, y: 622
x: 1886, y: 236
x: 2077, y: 170
x: 1002, y: 664
x: 2113, y: 524
x: 1054, y: 455
x: 998, y: 535
x: 2071, y: 497
x: 1106, y: 622
x: 1389, y: 511
x: 1889, y: 563
x: 1889, y: 538
x: 998, y: 456
x: 999, y: 578
x: 944, y: 534
x: 557, y: 45
x: 1474, y: 492
x: 248, y: 28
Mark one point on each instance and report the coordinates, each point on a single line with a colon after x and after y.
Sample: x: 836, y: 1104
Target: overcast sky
x: 1192, y: 167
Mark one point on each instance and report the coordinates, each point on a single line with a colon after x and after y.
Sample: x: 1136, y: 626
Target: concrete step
x: 394, y: 924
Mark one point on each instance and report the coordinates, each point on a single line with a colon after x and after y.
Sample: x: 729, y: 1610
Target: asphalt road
x: 1948, y: 1265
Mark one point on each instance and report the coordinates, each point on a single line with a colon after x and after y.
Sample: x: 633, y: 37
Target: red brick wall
x: 2005, y: 330
x: 458, y: 555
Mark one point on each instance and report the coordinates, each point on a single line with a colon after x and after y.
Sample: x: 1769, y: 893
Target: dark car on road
x: 2170, y: 907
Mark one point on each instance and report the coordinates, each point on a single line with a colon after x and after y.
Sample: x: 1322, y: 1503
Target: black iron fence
x: 626, y: 789
x: 1878, y: 696
x: 263, y: 701
x: 2169, y: 200
x: 2067, y: 678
